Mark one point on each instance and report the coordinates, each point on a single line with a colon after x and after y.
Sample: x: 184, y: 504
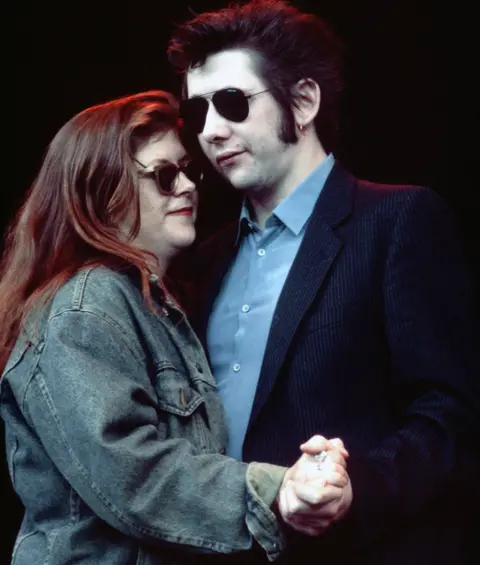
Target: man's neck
x: 262, y: 205
x: 263, y: 202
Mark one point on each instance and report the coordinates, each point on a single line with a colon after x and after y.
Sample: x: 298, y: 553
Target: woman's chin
x: 181, y: 242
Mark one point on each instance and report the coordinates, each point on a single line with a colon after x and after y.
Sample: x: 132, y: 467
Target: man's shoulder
x: 414, y: 203
x: 392, y: 197
x: 345, y: 192
x: 383, y: 190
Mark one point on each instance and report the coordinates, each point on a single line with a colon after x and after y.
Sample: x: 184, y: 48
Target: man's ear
x: 306, y: 94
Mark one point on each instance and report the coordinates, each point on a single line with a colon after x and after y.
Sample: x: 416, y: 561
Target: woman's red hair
x: 70, y: 219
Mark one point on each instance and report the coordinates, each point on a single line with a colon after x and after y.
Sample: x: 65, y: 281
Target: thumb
x: 314, y: 445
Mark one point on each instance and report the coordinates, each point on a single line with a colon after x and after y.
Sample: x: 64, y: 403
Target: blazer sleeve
x: 433, y: 339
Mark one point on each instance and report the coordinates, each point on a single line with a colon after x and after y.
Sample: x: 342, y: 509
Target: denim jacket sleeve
x: 92, y: 403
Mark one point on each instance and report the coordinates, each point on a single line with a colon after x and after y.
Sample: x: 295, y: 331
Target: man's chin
x: 240, y: 183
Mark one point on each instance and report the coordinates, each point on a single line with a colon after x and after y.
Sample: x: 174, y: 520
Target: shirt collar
x: 295, y: 210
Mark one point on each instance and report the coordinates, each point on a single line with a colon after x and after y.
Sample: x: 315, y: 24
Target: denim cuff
x: 263, y: 483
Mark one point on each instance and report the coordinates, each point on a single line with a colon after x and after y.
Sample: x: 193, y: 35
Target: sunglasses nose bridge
x: 183, y: 183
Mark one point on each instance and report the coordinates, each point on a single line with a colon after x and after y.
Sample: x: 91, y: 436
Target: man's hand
x: 316, y: 494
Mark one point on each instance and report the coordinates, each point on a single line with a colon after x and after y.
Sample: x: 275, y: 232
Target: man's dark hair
x: 289, y: 46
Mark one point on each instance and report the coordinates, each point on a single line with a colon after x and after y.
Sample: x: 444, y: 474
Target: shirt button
x: 199, y: 368
x: 245, y: 308
x: 236, y: 367
x: 261, y: 252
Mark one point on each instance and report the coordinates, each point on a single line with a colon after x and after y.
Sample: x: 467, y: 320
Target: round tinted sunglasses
x: 230, y: 103
x: 166, y: 175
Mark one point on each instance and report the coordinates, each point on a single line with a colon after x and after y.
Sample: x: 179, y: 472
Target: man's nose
x: 216, y: 126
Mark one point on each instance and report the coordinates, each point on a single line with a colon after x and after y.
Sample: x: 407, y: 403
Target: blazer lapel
x: 315, y: 257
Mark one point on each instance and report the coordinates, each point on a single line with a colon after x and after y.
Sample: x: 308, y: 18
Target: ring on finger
x: 320, y: 458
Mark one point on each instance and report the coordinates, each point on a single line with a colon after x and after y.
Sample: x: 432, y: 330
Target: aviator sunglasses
x: 230, y: 103
x: 166, y: 175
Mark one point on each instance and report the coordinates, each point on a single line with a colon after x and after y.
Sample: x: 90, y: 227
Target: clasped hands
x: 316, y: 494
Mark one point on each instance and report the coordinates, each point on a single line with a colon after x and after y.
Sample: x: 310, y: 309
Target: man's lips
x: 186, y: 211
x: 228, y: 157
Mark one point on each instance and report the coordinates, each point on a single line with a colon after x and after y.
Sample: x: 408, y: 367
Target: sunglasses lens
x: 165, y: 177
x: 232, y: 104
x: 193, y: 113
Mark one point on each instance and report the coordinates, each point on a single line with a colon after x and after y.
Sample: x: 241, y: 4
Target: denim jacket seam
x: 79, y: 290
x: 74, y: 506
x: 154, y: 532
x: 97, y: 491
x: 18, y: 542
x: 51, y: 542
x: 267, y: 527
x: 110, y: 320
x: 30, y: 378
x: 163, y: 364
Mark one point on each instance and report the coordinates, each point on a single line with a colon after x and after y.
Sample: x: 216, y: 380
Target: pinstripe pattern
x: 372, y: 341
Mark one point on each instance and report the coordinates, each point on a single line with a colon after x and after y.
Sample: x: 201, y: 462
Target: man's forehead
x: 234, y: 68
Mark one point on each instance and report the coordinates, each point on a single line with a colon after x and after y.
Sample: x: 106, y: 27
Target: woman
x: 114, y: 431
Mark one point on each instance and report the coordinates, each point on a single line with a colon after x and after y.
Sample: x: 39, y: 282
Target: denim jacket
x: 115, y: 436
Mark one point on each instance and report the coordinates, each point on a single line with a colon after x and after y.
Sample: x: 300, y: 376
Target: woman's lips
x: 183, y: 212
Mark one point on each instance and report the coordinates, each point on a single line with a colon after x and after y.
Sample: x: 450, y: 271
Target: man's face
x: 249, y: 153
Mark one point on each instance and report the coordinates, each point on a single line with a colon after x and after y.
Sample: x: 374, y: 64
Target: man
x: 334, y: 306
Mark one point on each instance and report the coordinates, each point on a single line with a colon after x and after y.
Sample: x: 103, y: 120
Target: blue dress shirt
x: 239, y: 325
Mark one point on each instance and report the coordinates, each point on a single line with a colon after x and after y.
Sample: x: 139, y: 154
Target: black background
x: 405, y: 60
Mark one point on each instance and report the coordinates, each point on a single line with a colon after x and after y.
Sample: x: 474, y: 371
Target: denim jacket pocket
x: 176, y: 394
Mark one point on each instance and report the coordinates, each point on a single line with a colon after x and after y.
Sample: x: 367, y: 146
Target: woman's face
x: 167, y: 222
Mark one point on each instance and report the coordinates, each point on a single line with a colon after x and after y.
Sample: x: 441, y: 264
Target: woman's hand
x: 316, y: 491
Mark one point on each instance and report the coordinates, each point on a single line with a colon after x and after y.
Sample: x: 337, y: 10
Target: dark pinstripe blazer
x: 372, y: 340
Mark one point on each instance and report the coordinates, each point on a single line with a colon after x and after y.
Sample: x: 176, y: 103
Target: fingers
x: 333, y: 503
x: 307, y: 499
x: 299, y: 515
x: 311, y: 495
x: 316, y: 524
x: 308, y: 469
x: 315, y: 444
x: 338, y: 444
x: 326, y: 473
x: 294, y: 505
x: 308, y: 528
x: 337, y: 476
x: 288, y: 503
x: 333, y: 457
x: 319, y: 443
x: 305, y: 469
x: 316, y: 491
